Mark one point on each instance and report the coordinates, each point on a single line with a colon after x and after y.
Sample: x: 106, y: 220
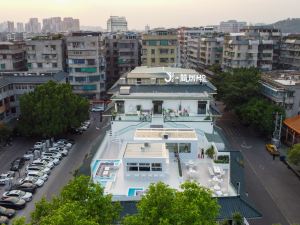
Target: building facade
x: 231, y: 26
x: 290, y: 52
x: 12, y: 56
x: 46, y: 54
x: 86, y: 64
x: 160, y: 48
x: 283, y: 89
x: 117, y: 24
x: 122, y: 52
x: 33, y: 26
x: 239, y: 51
x: 15, y: 84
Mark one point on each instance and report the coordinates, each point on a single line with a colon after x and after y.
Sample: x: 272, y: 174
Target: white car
x: 38, y: 145
x: 87, y: 123
x: 33, y: 180
x: 19, y: 194
x: 40, y: 162
x: 37, y: 174
x: 52, y: 154
x: 38, y: 169
x: 55, y: 161
x: 5, y: 177
x: 97, y: 109
x: 28, y: 155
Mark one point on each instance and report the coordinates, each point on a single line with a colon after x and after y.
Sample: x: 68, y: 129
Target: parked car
x: 6, y: 177
x: 27, y: 187
x: 4, y: 220
x: 76, y: 131
x: 87, y: 123
x: 33, y: 180
x: 272, y: 149
x: 39, y: 162
x: 97, y: 109
x: 52, y: 154
x: 57, y: 150
x: 42, y: 169
x: 27, y: 196
x: 7, y: 212
x: 37, y: 174
x: 13, y: 203
x: 29, y: 154
x: 17, y: 164
x: 48, y: 159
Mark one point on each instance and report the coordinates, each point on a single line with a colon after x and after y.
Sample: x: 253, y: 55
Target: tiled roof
x: 229, y: 205
x: 293, y: 123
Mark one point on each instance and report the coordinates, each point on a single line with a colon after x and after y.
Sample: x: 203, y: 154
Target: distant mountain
x: 288, y: 25
x: 91, y: 28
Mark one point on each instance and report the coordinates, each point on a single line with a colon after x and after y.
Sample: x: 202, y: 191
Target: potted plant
x: 210, y: 152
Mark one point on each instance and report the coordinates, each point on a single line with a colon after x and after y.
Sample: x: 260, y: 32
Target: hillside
x: 288, y: 25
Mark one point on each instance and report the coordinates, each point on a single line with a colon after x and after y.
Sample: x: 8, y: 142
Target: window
x: 29, y: 65
x: 91, y: 62
x: 1, y: 103
x: 144, y: 166
x: 40, y: 65
x: 156, y: 167
x: 172, y: 51
x: 185, y: 148
x: 164, y: 42
x: 153, y: 60
x: 12, y: 98
x: 152, y: 43
x: 202, y: 107
x: 138, y: 108
x: 152, y: 51
x: 164, y: 60
x: 3, y: 56
x: 163, y: 51
x: 53, y: 47
x: 132, y: 167
x: 138, y: 80
x: 2, y: 116
x: 54, y: 65
x: 120, y: 107
x: 2, y: 66
x: 13, y: 110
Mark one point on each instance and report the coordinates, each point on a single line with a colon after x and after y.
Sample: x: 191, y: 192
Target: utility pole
x: 277, y: 129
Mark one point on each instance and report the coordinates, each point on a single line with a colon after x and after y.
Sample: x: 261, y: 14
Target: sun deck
x: 163, y: 133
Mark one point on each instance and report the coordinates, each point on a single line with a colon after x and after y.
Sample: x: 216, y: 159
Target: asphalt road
x: 271, y: 186
x: 62, y: 173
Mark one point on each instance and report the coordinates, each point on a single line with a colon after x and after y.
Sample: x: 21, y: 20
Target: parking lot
x: 61, y: 173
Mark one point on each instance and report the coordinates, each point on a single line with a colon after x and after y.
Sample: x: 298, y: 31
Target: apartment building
x: 283, y: 89
x: 12, y: 56
x: 290, y: 52
x: 122, y: 52
x: 193, y: 53
x: 86, y: 64
x: 33, y: 26
x: 231, y: 26
x: 269, y: 45
x: 160, y: 48
x: 117, y: 24
x: 211, y: 51
x: 15, y: 84
x: 239, y: 51
x: 188, y: 34
x: 56, y: 24
x: 46, y: 54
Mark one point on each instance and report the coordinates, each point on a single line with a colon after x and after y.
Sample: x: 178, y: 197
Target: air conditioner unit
x: 165, y: 136
x: 146, y: 144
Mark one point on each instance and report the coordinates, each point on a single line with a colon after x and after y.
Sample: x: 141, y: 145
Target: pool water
x: 133, y: 191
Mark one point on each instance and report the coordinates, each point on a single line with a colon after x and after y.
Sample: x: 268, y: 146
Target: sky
x: 156, y: 13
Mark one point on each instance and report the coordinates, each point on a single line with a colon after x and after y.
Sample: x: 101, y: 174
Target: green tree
x: 51, y: 109
x: 163, y: 205
x: 5, y: 133
x: 294, y: 154
x: 237, y: 218
x: 237, y: 86
x: 81, y: 202
x: 259, y: 113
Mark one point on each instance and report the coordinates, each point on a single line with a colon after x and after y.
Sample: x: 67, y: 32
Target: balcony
x: 143, y: 117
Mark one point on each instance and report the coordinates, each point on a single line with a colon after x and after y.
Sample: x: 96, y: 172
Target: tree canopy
x: 259, y: 113
x: 81, y: 202
x: 237, y: 86
x: 51, y: 109
x: 163, y: 205
x: 294, y: 154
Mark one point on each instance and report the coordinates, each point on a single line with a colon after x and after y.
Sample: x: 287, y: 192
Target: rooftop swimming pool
x: 134, y: 191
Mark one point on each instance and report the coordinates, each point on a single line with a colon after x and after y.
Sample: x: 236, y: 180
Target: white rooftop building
x: 162, y: 123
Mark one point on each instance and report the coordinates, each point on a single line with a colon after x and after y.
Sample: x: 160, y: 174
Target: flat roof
x: 158, y: 133
x: 138, y: 150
